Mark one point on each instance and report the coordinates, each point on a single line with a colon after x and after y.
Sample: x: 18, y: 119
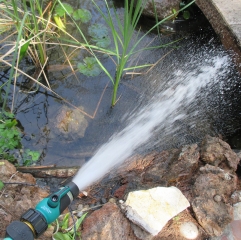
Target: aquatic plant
x: 123, y: 35
x: 60, y: 10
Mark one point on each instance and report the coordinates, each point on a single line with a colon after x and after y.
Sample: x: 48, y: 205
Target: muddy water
x: 214, y: 110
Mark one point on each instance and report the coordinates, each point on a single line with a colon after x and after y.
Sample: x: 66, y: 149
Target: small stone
x: 236, y: 196
x: 79, y: 214
x: 86, y: 208
x: 189, y: 230
x: 237, y: 211
x: 112, y: 200
x: 103, y: 200
x: 80, y: 207
x: 217, y: 198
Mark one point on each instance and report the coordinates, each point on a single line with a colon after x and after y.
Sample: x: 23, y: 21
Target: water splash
x: 162, y: 111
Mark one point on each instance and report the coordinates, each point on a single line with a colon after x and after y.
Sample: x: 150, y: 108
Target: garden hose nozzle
x: 35, y: 221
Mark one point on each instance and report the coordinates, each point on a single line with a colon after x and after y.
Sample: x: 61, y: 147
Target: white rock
x: 152, y: 209
x: 189, y: 230
x: 237, y: 211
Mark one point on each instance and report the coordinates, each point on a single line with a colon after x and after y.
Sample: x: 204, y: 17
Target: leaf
x: 65, y: 221
x: 27, y: 162
x: 59, y: 22
x: 10, y: 123
x: 30, y: 156
x: 1, y: 185
x: 33, y: 154
x: 90, y: 67
x: 82, y: 14
x: 60, y: 11
x: 62, y: 236
x: 98, y: 31
x: 8, y: 114
x: 23, y: 50
x: 102, y: 42
x: 186, y: 14
x: 78, y: 223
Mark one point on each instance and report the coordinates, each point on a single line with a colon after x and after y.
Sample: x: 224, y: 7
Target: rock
x: 216, y: 152
x: 107, y: 223
x: 212, y: 216
x: 137, y: 163
x: 119, y: 193
x: 185, y: 165
x: 151, y: 209
x: 236, y: 197
x: 112, y: 200
x: 237, y: 211
x: 140, y: 233
x: 156, y: 173
x: 210, y: 184
x: 17, y: 198
x: 164, y: 8
x: 231, y: 232
x: 70, y: 123
x: 103, y: 200
x: 211, y: 205
x: 189, y: 230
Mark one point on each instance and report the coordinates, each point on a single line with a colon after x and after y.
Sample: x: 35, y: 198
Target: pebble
x: 80, y: 207
x: 103, y: 200
x: 217, y: 198
x: 112, y: 200
x: 79, y: 214
x: 189, y: 230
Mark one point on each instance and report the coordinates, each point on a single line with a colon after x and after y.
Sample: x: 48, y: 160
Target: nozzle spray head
x: 48, y: 210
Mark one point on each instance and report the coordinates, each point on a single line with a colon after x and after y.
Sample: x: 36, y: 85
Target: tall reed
x: 125, y: 32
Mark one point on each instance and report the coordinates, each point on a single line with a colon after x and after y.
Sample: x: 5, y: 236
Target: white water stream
x: 162, y: 111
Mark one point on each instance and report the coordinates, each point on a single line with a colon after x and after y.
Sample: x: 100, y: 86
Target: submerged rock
x: 164, y: 8
x: 70, y: 123
x: 152, y: 209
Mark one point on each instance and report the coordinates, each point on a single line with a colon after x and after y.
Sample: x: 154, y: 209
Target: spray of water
x: 162, y: 111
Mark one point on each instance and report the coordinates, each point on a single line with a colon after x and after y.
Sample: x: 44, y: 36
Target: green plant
x: 63, y: 230
x: 122, y: 34
x: 10, y: 140
x: 29, y: 157
x: 60, y: 10
x: 9, y: 136
x: 1, y: 185
x: 89, y: 67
